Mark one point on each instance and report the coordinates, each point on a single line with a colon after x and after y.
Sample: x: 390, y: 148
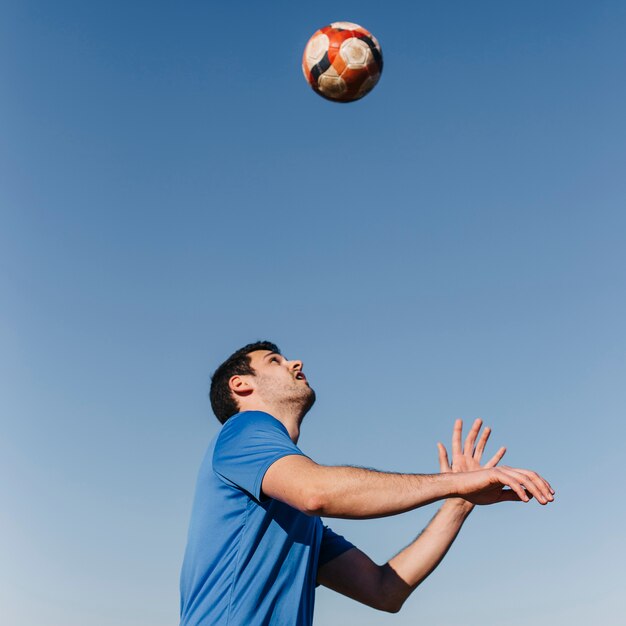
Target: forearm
x: 353, y: 492
x: 404, y: 572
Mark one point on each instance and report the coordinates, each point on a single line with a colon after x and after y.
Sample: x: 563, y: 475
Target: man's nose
x: 296, y: 365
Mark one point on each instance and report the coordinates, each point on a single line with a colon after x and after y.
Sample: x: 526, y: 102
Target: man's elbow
x: 314, y: 503
x: 393, y: 608
x: 313, y: 496
x: 392, y: 590
x: 389, y: 604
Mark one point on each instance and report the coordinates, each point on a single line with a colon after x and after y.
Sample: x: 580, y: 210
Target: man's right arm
x: 358, y: 493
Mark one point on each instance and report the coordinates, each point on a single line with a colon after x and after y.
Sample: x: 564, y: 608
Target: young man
x: 257, y: 547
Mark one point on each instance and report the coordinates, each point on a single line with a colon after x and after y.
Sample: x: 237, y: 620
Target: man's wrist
x: 459, y: 505
x: 457, y: 484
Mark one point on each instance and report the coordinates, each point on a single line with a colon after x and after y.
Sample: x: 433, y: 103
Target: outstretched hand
x: 489, y: 485
x: 466, y: 458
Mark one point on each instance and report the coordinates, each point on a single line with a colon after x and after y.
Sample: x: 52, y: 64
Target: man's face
x: 281, y: 382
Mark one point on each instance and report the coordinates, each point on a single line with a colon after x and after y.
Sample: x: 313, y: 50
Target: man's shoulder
x: 251, y: 431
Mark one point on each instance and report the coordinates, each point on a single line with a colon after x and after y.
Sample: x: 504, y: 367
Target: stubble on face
x: 295, y: 396
x: 279, y: 384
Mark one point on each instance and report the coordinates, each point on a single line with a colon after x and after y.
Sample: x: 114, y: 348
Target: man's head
x: 257, y: 376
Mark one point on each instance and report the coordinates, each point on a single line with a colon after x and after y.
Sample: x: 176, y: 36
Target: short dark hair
x: 223, y: 403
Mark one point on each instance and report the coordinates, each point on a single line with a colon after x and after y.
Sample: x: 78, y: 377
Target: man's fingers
x: 456, y: 438
x: 541, y: 480
x: 470, y: 440
x: 532, y: 482
x: 482, y: 442
x: 509, y: 479
x: 444, y: 463
x: 547, y: 484
x: 544, y: 493
x: 508, y: 495
x: 496, y: 458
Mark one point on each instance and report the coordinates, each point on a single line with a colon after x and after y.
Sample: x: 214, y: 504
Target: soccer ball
x: 342, y: 62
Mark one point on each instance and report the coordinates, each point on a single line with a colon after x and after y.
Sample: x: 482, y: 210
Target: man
x: 257, y: 547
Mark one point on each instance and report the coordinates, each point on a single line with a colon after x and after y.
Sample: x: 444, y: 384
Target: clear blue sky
x: 453, y: 245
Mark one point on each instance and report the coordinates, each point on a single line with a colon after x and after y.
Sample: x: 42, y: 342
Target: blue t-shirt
x: 250, y: 560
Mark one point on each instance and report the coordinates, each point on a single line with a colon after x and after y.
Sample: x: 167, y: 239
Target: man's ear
x: 240, y: 385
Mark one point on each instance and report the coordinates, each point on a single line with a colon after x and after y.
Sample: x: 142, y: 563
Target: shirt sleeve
x: 332, y: 546
x: 246, y: 447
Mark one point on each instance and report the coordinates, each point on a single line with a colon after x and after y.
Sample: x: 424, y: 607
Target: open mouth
x: 300, y: 376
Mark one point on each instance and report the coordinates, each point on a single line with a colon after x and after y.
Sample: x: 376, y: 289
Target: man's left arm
x: 386, y: 587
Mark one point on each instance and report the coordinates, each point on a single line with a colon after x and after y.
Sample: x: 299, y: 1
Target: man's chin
x: 309, y: 401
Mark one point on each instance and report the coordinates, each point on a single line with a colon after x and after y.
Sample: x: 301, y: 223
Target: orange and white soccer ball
x: 342, y: 62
